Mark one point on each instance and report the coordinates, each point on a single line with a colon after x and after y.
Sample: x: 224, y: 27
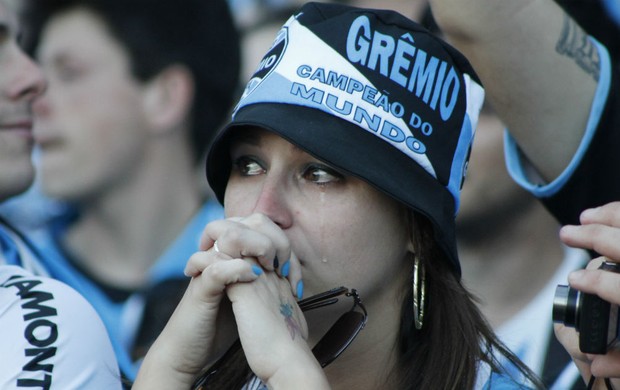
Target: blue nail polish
x: 285, y: 269
x: 300, y: 289
x: 257, y: 269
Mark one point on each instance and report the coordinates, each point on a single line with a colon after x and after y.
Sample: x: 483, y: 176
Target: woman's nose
x: 274, y: 202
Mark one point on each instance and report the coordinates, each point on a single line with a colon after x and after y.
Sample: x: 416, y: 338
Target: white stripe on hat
x: 337, y: 92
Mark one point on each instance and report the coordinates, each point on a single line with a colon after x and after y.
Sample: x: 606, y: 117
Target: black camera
x: 595, y: 319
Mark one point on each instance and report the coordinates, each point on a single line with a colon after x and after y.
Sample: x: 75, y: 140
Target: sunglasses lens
x: 338, y: 337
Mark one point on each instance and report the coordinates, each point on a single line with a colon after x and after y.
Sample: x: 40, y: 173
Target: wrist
x: 159, y: 372
x: 300, y: 372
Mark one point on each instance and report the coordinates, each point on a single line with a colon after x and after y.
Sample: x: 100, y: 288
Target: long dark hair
x: 455, y: 338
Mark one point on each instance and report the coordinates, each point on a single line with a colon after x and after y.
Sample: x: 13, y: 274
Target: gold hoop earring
x: 419, y: 292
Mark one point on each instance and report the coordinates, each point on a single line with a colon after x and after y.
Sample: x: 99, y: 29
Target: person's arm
x: 273, y: 334
x: 599, y: 231
x: 539, y: 69
x: 186, y: 344
x: 270, y: 325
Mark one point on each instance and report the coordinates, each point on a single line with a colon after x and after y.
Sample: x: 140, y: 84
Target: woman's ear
x: 168, y: 98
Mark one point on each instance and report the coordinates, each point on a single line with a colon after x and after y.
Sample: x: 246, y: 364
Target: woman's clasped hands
x: 248, y: 260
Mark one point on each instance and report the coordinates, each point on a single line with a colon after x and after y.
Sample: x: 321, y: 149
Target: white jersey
x: 50, y: 336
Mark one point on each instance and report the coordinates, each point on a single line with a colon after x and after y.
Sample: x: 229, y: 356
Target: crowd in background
x: 508, y: 241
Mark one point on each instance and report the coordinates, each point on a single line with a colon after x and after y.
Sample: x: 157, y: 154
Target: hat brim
x: 369, y: 158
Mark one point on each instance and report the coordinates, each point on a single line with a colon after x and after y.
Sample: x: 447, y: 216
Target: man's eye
x: 321, y: 174
x: 69, y: 73
x: 248, y: 166
x: 5, y: 33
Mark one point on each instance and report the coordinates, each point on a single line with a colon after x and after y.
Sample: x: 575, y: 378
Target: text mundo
x: 341, y: 101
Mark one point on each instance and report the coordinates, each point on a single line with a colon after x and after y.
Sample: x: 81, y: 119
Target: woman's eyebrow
x: 246, y: 137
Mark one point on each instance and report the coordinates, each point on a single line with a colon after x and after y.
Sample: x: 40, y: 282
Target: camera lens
x: 566, y: 304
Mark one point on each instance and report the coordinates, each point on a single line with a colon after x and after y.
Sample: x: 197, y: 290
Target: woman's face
x: 343, y: 231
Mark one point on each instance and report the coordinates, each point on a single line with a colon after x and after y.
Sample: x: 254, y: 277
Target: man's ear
x: 168, y: 98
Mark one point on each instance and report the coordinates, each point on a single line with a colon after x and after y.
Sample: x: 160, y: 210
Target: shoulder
x: 24, y: 286
x: 52, y: 334
x: 499, y: 381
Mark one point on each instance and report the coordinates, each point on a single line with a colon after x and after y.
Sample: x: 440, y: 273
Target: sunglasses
x: 330, y: 346
x: 344, y: 330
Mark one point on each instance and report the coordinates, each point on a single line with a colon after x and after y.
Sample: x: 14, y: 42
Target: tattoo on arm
x: 576, y: 44
x: 287, y: 311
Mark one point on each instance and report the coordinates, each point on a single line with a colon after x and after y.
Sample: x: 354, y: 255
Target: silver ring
x: 215, y: 248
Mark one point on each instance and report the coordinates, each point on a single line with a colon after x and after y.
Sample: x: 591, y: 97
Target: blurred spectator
x: 50, y: 335
x: 136, y: 90
x: 512, y: 258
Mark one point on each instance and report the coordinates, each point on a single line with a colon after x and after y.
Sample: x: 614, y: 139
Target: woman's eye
x: 321, y: 175
x: 248, y: 166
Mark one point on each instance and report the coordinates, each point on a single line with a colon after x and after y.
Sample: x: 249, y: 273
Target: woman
x: 342, y: 164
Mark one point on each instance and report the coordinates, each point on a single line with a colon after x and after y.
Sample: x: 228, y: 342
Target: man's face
x: 91, y: 127
x: 489, y: 195
x: 20, y: 82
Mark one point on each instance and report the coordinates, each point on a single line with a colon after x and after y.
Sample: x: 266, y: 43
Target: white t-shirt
x: 527, y: 332
x: 50, y: 336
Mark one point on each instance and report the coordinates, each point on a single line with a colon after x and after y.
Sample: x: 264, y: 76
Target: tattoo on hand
x: 576, y: 44
x: 287, y: 311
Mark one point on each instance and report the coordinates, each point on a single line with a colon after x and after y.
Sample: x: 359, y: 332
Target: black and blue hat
x: 373, y: 94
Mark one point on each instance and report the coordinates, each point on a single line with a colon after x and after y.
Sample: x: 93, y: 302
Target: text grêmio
x: 430, y: 80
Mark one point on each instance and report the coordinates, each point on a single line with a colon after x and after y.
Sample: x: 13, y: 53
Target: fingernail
x: 568, y: 229
x: 286, y: 269
x: 276, y: 262
x: 300, y: 289
x: 575, y: 276
x: 589, y: 212
x: 589, y: 215
x: 256, y: 269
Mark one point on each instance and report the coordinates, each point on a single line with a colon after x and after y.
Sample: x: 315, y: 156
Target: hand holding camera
x: 599, y: 231
x: 595, y: 319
